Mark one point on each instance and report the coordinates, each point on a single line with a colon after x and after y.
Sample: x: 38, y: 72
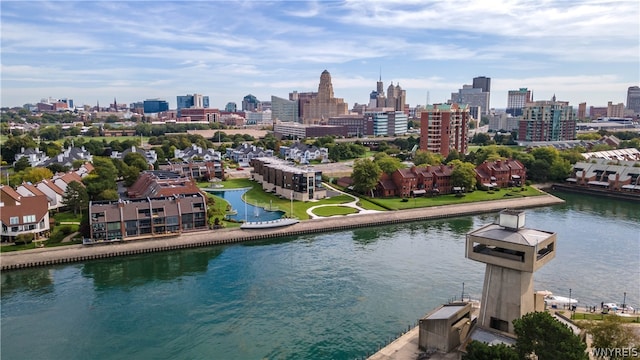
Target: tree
x: 136, y: 160
x: 103, y: 177
x: 610, y: 333
x: 22, y: 164
x: 477, y: 350
x: 548, y: 338
x: 76, y: 197
x: 423, y: 157
x: 366, y: 174
x: 560, y: 170
x: 34, y: 175
x: 463, y: 174
x: 387, y: 163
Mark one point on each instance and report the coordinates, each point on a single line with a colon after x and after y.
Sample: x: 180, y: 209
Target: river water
x: 336, y: 295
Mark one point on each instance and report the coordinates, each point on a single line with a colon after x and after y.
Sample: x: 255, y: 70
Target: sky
x: 95, y: 51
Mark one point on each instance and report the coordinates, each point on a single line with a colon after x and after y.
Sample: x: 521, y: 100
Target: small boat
x: 559, y: 300
x: 269, y: 224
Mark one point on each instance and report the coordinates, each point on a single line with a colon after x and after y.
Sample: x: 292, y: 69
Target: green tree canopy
x: 388, y: 164
x: 34, y: 175
x: 463, y: 174
x: 423, y: 157
x: 477, y: 350
x: 610, y: 333
x: 548, y: 338
x: 76, y: 197
x: 22, y: 164
x: 366, y: 174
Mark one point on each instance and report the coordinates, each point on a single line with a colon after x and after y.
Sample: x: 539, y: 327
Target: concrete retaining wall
x: 80, y: 253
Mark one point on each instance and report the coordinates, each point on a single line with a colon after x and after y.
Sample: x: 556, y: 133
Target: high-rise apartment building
x: 443, y: 127
x: 633, y: 99
x: 284, y: 110
x: 582, y: 111
x: 324, y: 105
x: 615, y: 110
x: 197, y: 101
x: 516, y: 100
x: 547, y: 121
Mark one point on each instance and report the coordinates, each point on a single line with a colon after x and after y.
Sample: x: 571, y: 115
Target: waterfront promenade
x: 77, y: 253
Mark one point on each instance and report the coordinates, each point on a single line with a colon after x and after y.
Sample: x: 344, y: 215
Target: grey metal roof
x: 522, y: 236
x: 445, y: 312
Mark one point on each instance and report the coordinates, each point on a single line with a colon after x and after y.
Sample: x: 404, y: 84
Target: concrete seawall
x: 79, y: 253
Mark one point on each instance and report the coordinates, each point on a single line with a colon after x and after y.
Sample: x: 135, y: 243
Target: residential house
x: 68, y: 156
x: 196, y: 152
x: 201, y: 170
x: 149, y: 155
x: 608, y: 175
x: 416, y: 181
x: 22, y: 214
x: 35, y: 156
x: 303, y: 153
x: 147, y: 217
x: 53, y: 192
x: 501, y: 173
x: 159, y: 183
x: 244, y: 153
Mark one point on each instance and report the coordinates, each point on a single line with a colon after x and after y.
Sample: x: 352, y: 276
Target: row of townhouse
x: 25, y: 209
x: 607, y: 174
x: 286, y: 180
x: 303, y: 153
x: 159, y: 203
x: 420, y: 181
x: 65, y: 158
x: 244, y: 153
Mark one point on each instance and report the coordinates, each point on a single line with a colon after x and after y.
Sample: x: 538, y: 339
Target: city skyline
x: 91, y: 52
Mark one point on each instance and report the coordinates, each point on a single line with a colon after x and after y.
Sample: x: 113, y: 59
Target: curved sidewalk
x: 76, y: 253
x: 351, y: 204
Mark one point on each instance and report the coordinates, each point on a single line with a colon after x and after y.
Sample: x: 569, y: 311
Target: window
x: 14, y: 220
x: 29, y: 219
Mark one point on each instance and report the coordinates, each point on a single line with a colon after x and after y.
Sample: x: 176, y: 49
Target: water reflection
x: 248, y: 211
x: 627, y: 210
x: 134, y: 271
x: 37, y: 280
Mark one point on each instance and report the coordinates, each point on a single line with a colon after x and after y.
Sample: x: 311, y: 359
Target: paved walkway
x: 351, y: 204
x: 45, y: 256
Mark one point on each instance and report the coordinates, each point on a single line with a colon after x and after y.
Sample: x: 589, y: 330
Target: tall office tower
x: 482, y: 82
x: 303, y: 99
x: 582, y: 111
x: 387, y: 122
x: 443, y: 127
x: 283, y: 109
x: 477, y: 99
x: 396, y: 97
x: 324, y: 105
x: 633, y: 99
x: 516, y: 100
x: 250, y: 103
x: 547, y: 121
x: 231, y: 107
x: 196, y: 101
x: 512, y: 254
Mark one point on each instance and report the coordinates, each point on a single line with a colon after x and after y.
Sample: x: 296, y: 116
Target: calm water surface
x: 326, y: 296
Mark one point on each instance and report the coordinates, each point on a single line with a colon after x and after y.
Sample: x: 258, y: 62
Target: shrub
x: 24, y: 239
x: 404, y: 200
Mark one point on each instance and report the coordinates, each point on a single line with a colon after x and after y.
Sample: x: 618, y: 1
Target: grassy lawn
x: 268, y: 200
x: 599, y: 316
x: 67, y: 217
x: 396, y: 203
x: 334, y: 210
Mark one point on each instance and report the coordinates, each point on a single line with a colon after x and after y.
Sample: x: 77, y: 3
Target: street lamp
x: 624, y: 302
x: 570, y: 302
x: 291, y: 205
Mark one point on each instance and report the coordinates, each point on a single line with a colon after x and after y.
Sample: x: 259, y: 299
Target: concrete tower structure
x: 512, y: 254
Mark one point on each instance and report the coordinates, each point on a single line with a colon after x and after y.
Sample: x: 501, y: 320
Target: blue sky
x: 134, y: 50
